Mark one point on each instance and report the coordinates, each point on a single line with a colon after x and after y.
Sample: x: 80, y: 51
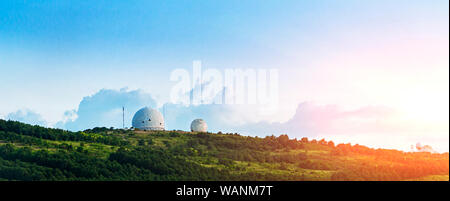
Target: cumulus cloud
x: 309, y: 119
x: 366, y: 125
x: 27, y: 116
x: 313, y: 120
x: 104, y: 108
x: 212, y: 108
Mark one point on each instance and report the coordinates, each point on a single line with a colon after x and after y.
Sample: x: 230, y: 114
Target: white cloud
x: 104, y: 108
x: 370, y: 125
x: 27, y: 116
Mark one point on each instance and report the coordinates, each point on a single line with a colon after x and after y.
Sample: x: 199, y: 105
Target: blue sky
x: 354, y: 54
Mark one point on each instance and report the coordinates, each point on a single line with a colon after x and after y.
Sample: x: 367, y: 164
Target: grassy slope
x: 431, y: 178
x: 310, y: 161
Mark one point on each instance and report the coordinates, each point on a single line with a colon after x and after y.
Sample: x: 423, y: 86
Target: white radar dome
x: 199, y: 125
x: 148, y: 119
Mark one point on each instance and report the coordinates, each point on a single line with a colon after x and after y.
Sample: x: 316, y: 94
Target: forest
x: 34, y: 153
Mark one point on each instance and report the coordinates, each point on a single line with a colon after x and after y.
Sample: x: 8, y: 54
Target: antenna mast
x: 123, y: 117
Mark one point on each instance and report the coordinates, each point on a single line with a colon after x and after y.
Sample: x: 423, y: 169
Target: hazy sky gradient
x: 353, y: 54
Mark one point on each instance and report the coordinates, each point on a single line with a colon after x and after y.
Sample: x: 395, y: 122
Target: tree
x: 304, y: 140
x: 331, y: 143
x: 283, y: 139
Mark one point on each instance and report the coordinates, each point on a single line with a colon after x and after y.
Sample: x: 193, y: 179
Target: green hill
x: 36, y: 153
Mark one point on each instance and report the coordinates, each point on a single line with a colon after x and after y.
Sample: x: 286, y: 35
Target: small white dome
x: 199, y: 125
x: 148, y: 119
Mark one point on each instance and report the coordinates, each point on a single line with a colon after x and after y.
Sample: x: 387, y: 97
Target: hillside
x: 36, y: 153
